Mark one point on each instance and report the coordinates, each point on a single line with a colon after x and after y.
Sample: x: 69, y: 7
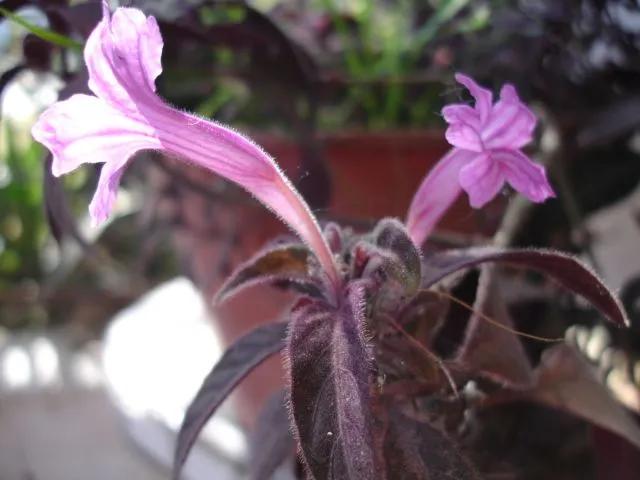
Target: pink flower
x: 487, y: 140
x: 126, y: 116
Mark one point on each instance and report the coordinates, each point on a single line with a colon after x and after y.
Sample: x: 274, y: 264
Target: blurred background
x: 106, y: 334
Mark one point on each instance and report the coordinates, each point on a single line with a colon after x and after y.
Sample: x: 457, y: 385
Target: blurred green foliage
x: 23, y: 230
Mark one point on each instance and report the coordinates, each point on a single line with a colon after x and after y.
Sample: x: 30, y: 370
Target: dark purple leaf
x: 236, y: 363
x: 487, y: 347
x: 283, y: 265
x: 565, y: 380
x: 565, y: 269
x: 56, y: 207
x: 271, y: 441
x: 415, y: 451
x: 330, y: 388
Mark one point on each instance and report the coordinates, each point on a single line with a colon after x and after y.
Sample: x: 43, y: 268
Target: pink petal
x: 464, y: 136
x: 461, y: 114
x: 106, y: 192
x: 524, y: 175
x: 508, y: 94
x: 511, y: 123
x: 85, y: 129
x: 436, y: 194
x: 482, y: 179
x: 123, y: 58
x: 483, y: 97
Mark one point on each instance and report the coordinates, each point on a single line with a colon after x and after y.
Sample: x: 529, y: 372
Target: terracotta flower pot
x: 373, y: 175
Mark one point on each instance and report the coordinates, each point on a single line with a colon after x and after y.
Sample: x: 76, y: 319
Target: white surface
x: 63, y: 416
x: 156, y: 354
x: 56, y: 422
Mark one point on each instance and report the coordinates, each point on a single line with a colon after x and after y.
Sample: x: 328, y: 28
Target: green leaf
x: 43, y: 33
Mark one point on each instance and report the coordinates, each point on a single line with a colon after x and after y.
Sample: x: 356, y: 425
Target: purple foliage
x: 330, y: 387
x: 272, y: 443
x: 366, y: 395
x: 367, y: 403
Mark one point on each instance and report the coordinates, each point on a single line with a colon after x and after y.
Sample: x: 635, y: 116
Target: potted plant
x: 383, y: 379
x: 341, y: 153
x: 260, y: 73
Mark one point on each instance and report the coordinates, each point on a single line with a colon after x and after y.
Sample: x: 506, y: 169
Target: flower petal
x: 464, y: 136
x: 511, y: 123
x: 524, y: 175
x: 436, y: 194
x: 84, y: 129
x: 482, y: 179
x: 508, y: 94
x: 236, y: 158
x: 104, y: 197
x: 123, y: 57
x: 483, y: 97
x: 461, y: 114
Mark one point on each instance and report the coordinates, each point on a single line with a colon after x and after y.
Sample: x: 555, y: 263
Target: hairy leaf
x: 416, y: 451
x: 487, y: 347
x: 380, y: 265
x: 566, y: 270
x: 565, y: 380
x: 390, y: 234
x: 330, y: 388
x: 275, y: 264
x: 236, y: 363
x: 271, y: 441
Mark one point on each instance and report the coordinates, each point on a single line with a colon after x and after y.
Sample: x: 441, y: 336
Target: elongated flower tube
x: 487, y: 140
x: 126, y: 115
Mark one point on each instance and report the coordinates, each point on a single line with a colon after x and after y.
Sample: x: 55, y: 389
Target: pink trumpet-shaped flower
x: 126, y: 115
x: 487, y: 140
